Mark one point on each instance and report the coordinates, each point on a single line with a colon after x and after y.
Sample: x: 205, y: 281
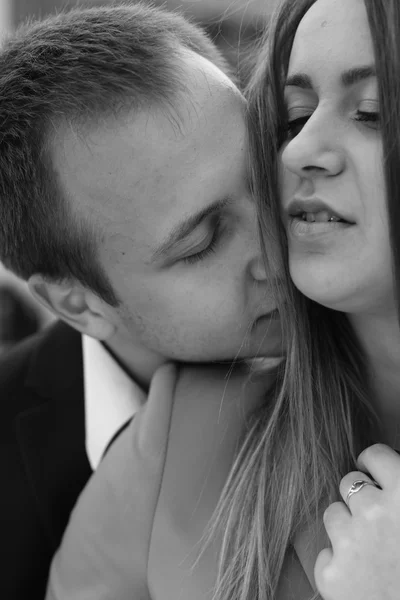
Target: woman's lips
x: 315, y: 210
x: 299, y: 228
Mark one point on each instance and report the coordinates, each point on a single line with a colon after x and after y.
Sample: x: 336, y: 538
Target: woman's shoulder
x: 105, y: 547
x: 152, y: 495
x: 208, y: 397
x: 210, y: 413
x: 211, y: 407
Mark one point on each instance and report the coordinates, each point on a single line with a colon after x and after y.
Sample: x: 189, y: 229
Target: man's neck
x: 138, y: 362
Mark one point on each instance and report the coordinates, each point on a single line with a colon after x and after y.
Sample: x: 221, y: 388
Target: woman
x: 337, y: 127
x: 140, y: 529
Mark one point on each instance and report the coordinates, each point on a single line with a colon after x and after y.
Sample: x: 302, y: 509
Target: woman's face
x: 333, y: 191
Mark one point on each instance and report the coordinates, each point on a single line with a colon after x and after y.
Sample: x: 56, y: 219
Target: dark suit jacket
x: 43, y: 460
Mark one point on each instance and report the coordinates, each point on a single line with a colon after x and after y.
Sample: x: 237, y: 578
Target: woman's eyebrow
x: 300, y: 80
x: 348, y: 78
x: 357, y: 74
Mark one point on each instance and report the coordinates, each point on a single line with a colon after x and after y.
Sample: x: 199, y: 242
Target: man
x: 125, y: 205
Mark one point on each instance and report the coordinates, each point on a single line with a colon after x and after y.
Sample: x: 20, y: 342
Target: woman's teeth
x: 320, y: 217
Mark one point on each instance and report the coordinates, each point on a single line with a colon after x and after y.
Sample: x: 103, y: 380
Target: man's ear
x: 70, y: 301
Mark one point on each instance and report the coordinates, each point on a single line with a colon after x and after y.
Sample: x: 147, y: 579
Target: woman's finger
x: 336, y: 520
x: 322, y: 570
x: 357, y: 489
x: 382, y: 463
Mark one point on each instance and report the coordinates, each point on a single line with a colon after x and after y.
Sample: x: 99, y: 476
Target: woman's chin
x: 329, y: 290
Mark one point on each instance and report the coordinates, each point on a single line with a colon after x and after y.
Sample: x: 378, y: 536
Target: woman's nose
x: 314, y: 151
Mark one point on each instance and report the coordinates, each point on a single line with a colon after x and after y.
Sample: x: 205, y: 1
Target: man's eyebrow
x: 348, y: 78
x: 183, y: 229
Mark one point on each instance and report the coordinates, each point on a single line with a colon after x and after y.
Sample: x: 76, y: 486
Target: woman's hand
x: 364, y: 562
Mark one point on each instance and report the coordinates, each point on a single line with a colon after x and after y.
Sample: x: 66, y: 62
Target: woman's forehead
x: 333, y: 35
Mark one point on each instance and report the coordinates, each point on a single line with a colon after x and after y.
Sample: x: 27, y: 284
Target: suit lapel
x: 51, y: 435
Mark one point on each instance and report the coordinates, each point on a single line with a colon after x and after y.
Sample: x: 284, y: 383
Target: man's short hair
x: 75, y: 67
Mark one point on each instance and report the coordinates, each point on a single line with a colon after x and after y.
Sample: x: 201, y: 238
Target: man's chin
x: 266, y: 339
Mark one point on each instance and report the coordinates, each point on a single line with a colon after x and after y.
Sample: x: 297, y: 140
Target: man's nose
x: 258, y: 268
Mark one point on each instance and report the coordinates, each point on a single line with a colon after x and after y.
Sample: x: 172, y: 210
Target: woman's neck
x: 379, y: 336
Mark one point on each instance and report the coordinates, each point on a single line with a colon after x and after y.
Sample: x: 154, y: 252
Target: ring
x: 356, y: 487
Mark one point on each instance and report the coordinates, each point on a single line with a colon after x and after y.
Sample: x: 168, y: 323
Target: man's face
x: 179, y: 231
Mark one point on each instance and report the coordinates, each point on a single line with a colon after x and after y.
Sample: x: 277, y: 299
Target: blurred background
x: 233, y: 24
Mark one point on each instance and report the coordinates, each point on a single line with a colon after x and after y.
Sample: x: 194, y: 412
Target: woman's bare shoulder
x: 216, y: 384
x: 104, y: 550
x: 208, y: 420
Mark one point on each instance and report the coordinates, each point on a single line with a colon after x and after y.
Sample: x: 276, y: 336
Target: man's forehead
x: 137, y: 135
x: 129, y: 194
x: 208, y: 87
x: 108, y: 161
x: 195, y: 64
x: 139, y: 175
x: 140, y: 156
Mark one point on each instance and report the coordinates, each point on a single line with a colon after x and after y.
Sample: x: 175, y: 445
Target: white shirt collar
x: 111, y: 398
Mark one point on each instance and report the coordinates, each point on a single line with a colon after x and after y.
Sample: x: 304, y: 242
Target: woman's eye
x: 294, y: 126
x: 371, y: 119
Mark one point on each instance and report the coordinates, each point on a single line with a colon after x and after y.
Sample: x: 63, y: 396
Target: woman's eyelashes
x: 298, y: 111
x: 294, y: 125
x: 369, y: 118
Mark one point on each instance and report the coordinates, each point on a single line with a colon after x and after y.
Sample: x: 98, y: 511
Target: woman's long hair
x: 300, y: 445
